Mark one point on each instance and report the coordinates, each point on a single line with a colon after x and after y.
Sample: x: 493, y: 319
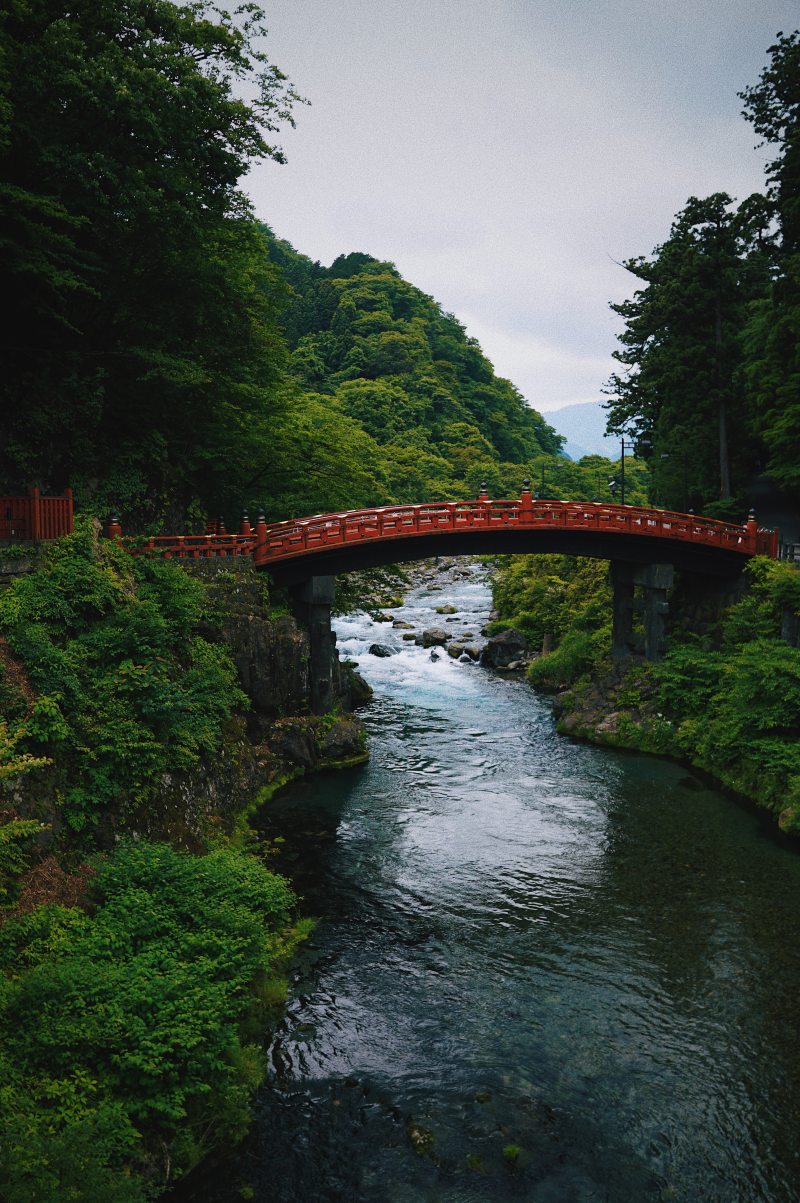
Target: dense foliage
x: 564, y: 598
x: 133, y: 985
x: 682, y: 394
x: 126, y: 689
x: 377, y: 355
x: 142, y: 334
x: 735, y: 705
x: 126, y: 1033
x: 710, y: 386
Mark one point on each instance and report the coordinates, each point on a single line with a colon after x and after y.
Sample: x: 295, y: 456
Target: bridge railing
x: 270, y: 543
x: 282, y: 540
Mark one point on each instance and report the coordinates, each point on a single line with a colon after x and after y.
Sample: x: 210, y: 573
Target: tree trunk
x: 724, y: 462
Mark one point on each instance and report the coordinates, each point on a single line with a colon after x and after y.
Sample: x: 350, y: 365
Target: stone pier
x: 312, y: 602
x: 655, y: 581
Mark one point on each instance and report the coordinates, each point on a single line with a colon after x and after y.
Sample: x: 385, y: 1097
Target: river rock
x: 448, y: 609
x: 382, y: 617
x: 380, y: 649
x: 400, y: 624
x: 435, y: 656
x: 472, y: 650
x: 505, y: 648
x: 343, y: 741
x: 434, y: 637
x: 455, y: 650
x: 410, y: 638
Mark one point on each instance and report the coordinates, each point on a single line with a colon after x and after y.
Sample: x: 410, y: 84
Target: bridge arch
x: 326, y: 544
x: 643, y: 544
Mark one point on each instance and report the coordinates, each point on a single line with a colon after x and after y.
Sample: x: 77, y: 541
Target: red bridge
x: 326, y: 544
x: 643, y: 544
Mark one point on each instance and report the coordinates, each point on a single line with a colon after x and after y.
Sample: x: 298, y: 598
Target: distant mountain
x: 583, y: 425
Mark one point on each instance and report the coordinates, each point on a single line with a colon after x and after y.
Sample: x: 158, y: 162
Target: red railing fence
x: 271, y: 543
x: 35, y: 518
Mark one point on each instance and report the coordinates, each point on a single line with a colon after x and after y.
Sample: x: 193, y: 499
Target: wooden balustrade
x: 299, y: 537
x: 275, y: 542
x: 34, y: 518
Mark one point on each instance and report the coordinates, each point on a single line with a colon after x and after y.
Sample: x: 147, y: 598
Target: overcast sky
x: 505, y: 153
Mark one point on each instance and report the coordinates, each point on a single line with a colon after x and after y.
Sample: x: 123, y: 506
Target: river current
x: 543, y: 971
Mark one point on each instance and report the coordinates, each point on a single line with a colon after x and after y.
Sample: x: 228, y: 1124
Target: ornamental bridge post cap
x: 113, y: 526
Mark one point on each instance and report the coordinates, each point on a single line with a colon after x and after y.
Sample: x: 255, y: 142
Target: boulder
x: 380, y: 649
x: 434, y: 637
x: 455, y: 650
x: 382, y: 617
x: 410, y: 638
x: 505, y: 648
x: 400, y: 624
x: 448, y: 609
x: 472, y: 650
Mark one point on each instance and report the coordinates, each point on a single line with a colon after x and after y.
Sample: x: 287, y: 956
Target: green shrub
x: 567, y: 597
x: 127, y: 689
x: 121, y: 1041
x: 737, y: 711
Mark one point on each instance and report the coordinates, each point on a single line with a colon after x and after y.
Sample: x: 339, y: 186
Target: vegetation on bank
x: 726, y: 697
x: 130, y: 1022
x: 124, y: 686
x: 135, y: 982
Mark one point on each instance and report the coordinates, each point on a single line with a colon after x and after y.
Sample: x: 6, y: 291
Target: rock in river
x: 434, y: 637
x: 505, y: 648
x: 380, y: 649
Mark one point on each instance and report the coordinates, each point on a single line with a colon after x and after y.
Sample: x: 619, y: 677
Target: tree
x: 142, y: 333
x: 772, y: 337
x: 681, y: 393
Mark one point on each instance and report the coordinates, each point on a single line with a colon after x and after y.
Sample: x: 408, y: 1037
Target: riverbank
x: 145, y: 712
x: 725, y: 698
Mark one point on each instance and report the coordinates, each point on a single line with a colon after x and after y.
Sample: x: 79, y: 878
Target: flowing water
x: 543, y: 971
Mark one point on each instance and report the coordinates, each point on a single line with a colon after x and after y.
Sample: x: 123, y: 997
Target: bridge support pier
x: 312, y: 601
x: 622, y: 584
x: 655, y: 580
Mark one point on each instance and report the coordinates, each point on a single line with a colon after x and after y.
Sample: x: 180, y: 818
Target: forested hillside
x: 166, y: 354
x: 372, y: 355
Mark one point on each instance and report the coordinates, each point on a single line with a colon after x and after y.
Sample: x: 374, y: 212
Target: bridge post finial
x: 752, y: 529
x: 526, y: 500
x: 245, y: 529
x: 259, y: 550
x: 483, y: 494
x: 113, y: 526
x: 221, y: 526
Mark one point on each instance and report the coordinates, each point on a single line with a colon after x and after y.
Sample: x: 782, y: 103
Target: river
x: 543, y: 971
